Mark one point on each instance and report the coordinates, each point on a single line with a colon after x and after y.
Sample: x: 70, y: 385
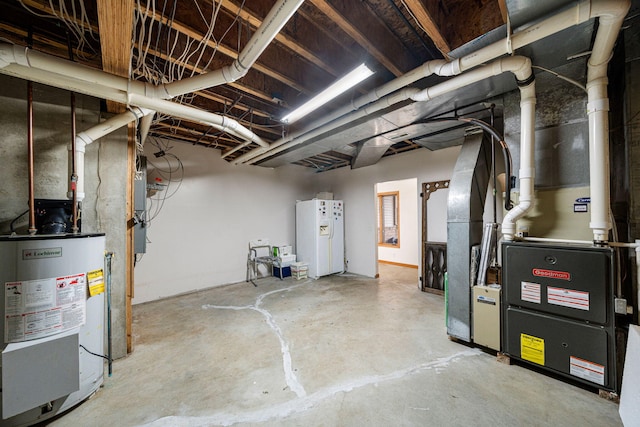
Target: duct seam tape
x: 598, y: 105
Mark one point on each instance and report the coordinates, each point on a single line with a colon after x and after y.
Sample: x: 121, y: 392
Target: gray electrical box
x: 140, y: 207
x: 558, y: 310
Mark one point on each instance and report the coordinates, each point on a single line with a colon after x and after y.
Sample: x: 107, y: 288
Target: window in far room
x: 388, y: 219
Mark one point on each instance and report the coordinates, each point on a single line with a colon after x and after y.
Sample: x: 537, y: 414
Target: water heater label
x: 586, y: 370
x: 568, y: 298
x: 551, y: 274
x: 40, y: 308
x: 41, y: 253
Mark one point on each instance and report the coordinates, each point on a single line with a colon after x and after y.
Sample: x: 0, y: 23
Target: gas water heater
x: 53, y: 312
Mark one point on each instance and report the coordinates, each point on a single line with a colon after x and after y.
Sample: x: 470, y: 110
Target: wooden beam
x: 243, y: 88
x: 281, y: 37
x: 130, y: 251
x: 378, y: 40
x: 115, y: 19
x: 502, y: 4
x: 186, y: 138
x: 426, y: 21
x: 225, y: 50
x: 45, y: 44
x: 45, y: 8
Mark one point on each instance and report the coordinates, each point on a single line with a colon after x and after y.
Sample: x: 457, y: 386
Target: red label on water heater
x: 552, y: 274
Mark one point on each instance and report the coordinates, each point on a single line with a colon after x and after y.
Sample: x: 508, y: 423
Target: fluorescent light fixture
x: 337, y: 88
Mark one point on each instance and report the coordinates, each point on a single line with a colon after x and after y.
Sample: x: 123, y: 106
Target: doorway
x: 397, y: 233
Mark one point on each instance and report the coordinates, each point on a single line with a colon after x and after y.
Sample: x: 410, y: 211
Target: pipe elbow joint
x: 12, y: 54
x: 422, y: 95
x: 233, y: 72
x: 446, y: 68
x: 609, y: 10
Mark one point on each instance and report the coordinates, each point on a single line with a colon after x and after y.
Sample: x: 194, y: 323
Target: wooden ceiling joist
x: 281, y: 37
x: 115, y: 20
x: 380, y: 42
x: 225, y: 50
x: 426, y: 21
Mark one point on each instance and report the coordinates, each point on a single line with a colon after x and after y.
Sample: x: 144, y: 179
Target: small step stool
x: 299, y: 270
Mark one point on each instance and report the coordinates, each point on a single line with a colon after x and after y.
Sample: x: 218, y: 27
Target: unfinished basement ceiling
x: 161, y: 41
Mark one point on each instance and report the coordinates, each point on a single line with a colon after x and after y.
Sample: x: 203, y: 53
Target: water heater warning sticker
x: 586, y: 370
x: 532, y: 349
x: 40, y: 308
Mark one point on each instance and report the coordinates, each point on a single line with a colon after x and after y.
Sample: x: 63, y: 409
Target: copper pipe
x: 32, y: 208
x: 74, y: 174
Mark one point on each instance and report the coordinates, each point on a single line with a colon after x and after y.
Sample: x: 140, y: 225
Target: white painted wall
x: 200, y: 238
x: 407, y: 253
x: 357, y: 189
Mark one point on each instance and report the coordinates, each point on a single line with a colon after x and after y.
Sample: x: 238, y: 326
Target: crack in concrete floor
x: 290, y: 376
x: 301, y: 404
x: 303, y: 401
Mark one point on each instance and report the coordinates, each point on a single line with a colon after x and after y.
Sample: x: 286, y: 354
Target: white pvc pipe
x: 398, y: 96
x: 134, y: 96
x: 223, y: 123
x: 518, y: 65
x: 438, y: 66
x: 607, y: 10
x: 527, y: 162
x: 88, y: 136
x: 611, y: 14
x: 64, y: 82
x: 270, y: 27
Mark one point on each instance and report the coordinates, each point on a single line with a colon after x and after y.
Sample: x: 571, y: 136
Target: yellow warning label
x: 96, y: 282
x: 532, y: 349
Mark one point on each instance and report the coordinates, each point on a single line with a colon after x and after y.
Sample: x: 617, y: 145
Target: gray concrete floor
x: 339, y: 351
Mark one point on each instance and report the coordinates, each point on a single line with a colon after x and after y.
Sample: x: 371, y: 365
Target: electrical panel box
x: 559, y: 309
x: 140, y: 207
x: 486, y: 316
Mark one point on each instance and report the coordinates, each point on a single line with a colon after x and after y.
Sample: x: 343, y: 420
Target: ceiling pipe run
x: 609, y: 12
x: 133, y: 95
x: 515, y: 64
x: 32, y: 65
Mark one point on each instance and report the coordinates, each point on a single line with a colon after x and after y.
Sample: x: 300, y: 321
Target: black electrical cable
x: 95, y: 354
x: 508, y: 204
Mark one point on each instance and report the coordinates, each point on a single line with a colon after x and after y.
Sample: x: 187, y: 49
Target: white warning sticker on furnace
x: 530, y: 292
x: 568, y: 298
x: 586, y: 370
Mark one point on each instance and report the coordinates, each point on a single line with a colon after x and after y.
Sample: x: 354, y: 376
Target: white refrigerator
x: 320, y: 236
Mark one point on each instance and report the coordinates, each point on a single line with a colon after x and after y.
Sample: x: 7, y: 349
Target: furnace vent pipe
x: 88, y: 136
x: 609, y: 11
x: 527, y: 161
x: 611, y: 18
x: 278, y: 16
